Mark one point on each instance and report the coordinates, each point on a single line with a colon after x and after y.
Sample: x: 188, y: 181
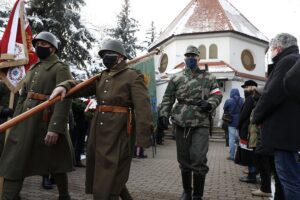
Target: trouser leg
x: 125, y: 195
x: 11, y: 189
x: 264, y: 168
x: 198, y: 183
x: 61, y: 181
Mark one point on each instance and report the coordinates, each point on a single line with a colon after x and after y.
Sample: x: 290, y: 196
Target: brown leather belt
x: 106, y: 108
x: 37, y: 96
x: 118, y: 109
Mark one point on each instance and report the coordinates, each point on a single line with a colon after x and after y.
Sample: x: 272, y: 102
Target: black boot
x: 251, y: 178
x: 187, y: 188
x: 125, y: 195
x: 198, y: 182
x: 46, y: 183
x: 64, y: 197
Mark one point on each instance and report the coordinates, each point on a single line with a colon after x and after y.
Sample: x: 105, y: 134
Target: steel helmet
x: 192, y: 50
x: 48, y: 37
x: 112, y: 45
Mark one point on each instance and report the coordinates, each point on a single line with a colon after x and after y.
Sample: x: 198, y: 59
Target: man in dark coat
x: 40, y: 144
x: 123, y: 110
x: 278, y: 115
x: 246, y: 157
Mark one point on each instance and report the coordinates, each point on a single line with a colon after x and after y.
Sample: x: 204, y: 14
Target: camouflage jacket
x: 189, y: 88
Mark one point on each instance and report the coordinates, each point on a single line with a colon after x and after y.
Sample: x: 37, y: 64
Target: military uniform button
x: 102, y: 101
x: 105, y: 91
x: 106, y: 80
x: 54, y: 123
x: 101, y: 123
x: 27, y: 108
x: 102, y: 112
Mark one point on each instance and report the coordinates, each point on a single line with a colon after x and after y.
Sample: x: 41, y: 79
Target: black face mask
x: 247, y: 93
x: 110, y: 60
x: 42, y: 52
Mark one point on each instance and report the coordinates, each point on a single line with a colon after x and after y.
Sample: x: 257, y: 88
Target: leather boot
x: 46, y: 183
x: 125, y: 195
x: 198, y: 182
x: 251, y: 178
x: 64, y: 197
x: 187, y: 188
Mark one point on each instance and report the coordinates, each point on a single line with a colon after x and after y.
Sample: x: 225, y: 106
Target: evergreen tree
x: 126, y: 30
x: 4, y: 14
x: 62, y: 18
x: 150, y: 35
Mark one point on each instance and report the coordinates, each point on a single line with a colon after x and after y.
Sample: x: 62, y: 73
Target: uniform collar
x: 48, y: 62
x: 117, y: 68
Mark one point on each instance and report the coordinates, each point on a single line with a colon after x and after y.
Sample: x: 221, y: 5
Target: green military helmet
x: 112, y: 45
x: 192, y: 50
x: 48, y: 37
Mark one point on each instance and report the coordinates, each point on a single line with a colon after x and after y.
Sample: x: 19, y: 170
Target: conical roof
x: 209, y: 16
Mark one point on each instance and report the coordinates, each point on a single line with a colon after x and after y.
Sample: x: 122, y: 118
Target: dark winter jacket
x: 233, y: 106
x: 278, y: 113
x: 291, y: 82
x: 244, y: 119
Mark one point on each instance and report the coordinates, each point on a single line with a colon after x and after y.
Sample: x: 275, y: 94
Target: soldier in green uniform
x: 197, y: 94
x: 123, y: 110
x: 5, y: 111
x: 40, y: 144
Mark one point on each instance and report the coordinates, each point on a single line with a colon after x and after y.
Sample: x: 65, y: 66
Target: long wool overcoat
x: 25, y: 152
x: 108, y: 152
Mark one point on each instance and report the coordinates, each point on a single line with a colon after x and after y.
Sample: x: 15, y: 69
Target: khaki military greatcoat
x: 25, y: 152
x: 108, y: 153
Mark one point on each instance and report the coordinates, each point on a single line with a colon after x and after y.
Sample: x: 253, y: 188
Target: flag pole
x: 48, y: 103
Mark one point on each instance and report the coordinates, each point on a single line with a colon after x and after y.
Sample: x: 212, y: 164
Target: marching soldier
x: 198, y: 94
x: 123, y: 110
x: 40, y: 144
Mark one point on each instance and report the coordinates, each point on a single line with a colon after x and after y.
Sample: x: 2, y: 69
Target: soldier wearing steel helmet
x: 40, y: 144
x: 123, y: 111
x: 197, y: 94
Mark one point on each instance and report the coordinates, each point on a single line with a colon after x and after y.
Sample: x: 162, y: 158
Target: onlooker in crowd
x: 123, y: 107
x: 80, y: 129
x: 159, y: 132
x: 197, y: 93
x: 278, y: 115
x: 264, y: 158
x: 233, y: 106
x: 246, y: 155
x: 5, y: 111
x: 40, y: 144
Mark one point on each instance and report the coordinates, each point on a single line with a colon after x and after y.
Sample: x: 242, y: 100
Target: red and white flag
x: 16, y: 50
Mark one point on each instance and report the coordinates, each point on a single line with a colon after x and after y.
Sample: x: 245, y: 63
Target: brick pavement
x: 159, y: 178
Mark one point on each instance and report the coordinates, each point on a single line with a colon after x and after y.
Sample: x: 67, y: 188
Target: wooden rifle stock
x: 10, y: 123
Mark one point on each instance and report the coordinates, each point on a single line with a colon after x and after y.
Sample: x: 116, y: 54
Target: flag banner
x: 16, y: 50
x: 146, y: 66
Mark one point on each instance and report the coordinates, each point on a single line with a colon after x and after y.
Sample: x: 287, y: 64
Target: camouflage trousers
x: 192, y: 147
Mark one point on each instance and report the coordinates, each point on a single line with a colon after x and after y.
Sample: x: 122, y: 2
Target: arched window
x: 213, y: 51
x: 202, y: 50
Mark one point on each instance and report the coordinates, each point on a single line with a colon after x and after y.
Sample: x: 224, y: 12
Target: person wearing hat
x: 40, y: 144
x: 246, y: 156
x: 123, y: 112
x: 197, y: 94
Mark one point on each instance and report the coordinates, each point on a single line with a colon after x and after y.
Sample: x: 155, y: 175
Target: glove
x: 205, y: 106
x: 7, y: 112
x: 163, y: 122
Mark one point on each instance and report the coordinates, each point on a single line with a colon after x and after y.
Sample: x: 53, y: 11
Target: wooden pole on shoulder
x: 48, y: 103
